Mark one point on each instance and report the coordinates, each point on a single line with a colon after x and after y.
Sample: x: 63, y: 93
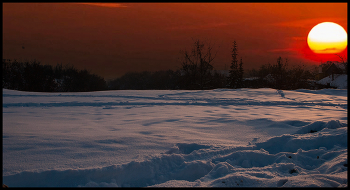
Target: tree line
x: 196, y: 73
x: 33, y: 76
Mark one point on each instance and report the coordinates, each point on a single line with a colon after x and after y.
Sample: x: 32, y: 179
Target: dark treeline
x: 196, y: 73
x: 32, y: 76
x: 285, y: 77
x: 163, y: 80
x: 146, y: 80
x: 278, y: 76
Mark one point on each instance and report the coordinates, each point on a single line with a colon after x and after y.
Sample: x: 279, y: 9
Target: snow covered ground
x: 176, y: 138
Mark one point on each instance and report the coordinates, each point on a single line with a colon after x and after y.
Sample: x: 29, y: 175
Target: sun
x: 327, y: 38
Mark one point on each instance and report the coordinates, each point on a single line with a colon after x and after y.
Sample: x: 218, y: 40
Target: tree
x: 234, y: 71
x: 32, y: 76
x: 240, y: 75
x: 13, y: 74
x: 279, y: 73
x: 197, y: 65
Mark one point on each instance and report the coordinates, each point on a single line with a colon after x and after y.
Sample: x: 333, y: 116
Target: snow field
x: 214, y: 138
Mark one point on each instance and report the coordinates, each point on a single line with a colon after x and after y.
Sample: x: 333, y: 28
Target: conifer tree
x: 240, y: 74
x: 233, y: 77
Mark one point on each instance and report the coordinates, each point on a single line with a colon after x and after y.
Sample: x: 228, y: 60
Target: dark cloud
x: 111, y: 5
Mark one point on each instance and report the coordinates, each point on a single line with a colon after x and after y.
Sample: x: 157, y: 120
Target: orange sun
x: 327, y: 38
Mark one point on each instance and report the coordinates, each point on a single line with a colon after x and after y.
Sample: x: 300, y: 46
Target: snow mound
x: 185, y: 148
x: 306, y: 159
x: 308, y: 141
x: 318, y: 126
x: 340, y: 81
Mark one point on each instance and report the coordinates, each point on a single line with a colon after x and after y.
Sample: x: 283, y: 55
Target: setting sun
x: 327, y: 38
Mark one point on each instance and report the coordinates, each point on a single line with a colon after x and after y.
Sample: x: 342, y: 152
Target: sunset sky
x: 110, y: 39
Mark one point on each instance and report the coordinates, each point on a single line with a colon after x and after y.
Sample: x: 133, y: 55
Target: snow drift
x: 339, y: 81
x: 213, y: 138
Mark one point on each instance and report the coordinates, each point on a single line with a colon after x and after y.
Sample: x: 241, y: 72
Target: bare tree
x: 197, y: 65
x: 345, y: 64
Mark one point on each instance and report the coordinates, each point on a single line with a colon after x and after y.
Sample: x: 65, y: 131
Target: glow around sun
x: 327, y: 38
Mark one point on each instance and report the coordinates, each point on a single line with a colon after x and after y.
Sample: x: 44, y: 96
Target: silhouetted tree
x: 13, y: 74
x: 38, y: 78
x: 197, y: 65
x: 240, y: 75
x: 219, y: 80
x: 279, y: 73
x: 235, y: 79
x: 32, y: 76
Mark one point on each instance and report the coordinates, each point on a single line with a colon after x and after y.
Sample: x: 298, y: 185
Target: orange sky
x: 111, y: 39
